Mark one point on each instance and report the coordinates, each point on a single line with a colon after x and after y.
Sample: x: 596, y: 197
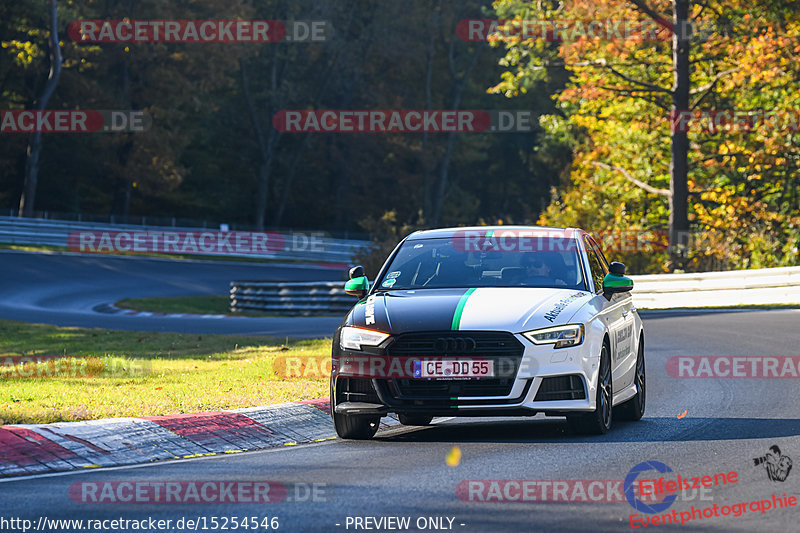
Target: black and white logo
x: 778, y: 466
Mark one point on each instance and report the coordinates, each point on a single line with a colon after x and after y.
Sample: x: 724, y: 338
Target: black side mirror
x: 356, y: 272
x: 617, y: 268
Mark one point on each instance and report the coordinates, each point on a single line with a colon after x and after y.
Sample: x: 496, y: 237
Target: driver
x: 538, y: 265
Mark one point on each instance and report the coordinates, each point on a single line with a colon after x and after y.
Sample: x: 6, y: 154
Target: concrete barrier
x: 718, y: 289
x: 658, y: 291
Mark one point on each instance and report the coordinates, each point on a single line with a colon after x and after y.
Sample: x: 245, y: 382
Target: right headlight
x: 354, y: 338
x: 560, y: 336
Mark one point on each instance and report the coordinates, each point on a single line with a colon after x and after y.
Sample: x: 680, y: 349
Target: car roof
x: 450, y: 232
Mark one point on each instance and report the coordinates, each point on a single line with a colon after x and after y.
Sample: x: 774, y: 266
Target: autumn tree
x: 619, y: 109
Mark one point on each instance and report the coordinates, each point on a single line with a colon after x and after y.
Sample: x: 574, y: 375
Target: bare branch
x: 630, y: 93
x: 653, y: 88
x: 723, y: 156
x: 705, y: 89
x: 640, y: 184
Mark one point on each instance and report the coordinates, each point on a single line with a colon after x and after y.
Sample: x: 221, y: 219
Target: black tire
x: 355, y: 427
x: 599, y: 421
x: 633, y: 409
x: 414, y: 420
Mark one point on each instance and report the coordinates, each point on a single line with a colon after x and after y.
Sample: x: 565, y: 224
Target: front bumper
x: 546, y: 380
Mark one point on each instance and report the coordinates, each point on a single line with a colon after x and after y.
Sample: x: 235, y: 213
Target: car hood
x: 514, y: 309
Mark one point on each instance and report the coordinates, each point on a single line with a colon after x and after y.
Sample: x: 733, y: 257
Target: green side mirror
x: 357, y: 286
x: 614, y: 283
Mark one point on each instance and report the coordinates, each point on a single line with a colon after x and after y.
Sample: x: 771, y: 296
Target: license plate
x: 453, y: 368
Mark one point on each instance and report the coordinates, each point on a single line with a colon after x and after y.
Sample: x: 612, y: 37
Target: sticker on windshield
x: 393, y: 275
x: 388, y: 283
x: 418, y: 246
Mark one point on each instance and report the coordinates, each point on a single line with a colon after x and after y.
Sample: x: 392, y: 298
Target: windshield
x: 442, y: 262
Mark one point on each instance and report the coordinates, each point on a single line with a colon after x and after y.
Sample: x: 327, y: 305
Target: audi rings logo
x: 454, y: 345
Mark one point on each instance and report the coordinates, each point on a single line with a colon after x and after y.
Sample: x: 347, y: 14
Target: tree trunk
x: 679, y: 166
x: 266, y: 144
x: 460, y: 83
x: 28, y: 198
x: 124, y: 151
x: 427, y: 159
x: 287, y: 186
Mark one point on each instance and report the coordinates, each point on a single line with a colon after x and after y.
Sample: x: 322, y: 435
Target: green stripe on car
x: 460, y: 309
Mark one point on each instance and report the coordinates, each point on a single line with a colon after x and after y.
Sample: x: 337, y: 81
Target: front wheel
x: 597, y: 422
x: 414, y: 420
x: 355, y: 427
x: 633, y: 409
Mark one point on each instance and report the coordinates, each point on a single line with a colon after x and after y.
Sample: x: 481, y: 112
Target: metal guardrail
x: 291, y: 298
x: 29, y: 231
x: 658, y: 291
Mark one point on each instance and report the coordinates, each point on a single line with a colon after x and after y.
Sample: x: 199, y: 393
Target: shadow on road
x: 557, y: 430
x: 651, y: 314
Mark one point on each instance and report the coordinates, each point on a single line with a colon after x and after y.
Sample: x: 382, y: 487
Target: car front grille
x: 498, y: 346
x: 482, y: 343
x: 445, y: 389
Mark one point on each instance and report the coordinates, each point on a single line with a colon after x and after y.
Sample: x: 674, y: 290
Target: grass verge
x: 202, y: 305
x: 80, y: 374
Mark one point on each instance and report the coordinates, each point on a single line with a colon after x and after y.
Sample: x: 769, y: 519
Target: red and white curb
x: 41, y: 448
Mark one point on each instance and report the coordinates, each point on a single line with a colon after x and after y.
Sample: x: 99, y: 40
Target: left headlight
x: 354, y: 338
x: 561, y: 336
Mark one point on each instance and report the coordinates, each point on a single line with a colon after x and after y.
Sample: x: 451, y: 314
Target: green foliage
x: 202, y: 158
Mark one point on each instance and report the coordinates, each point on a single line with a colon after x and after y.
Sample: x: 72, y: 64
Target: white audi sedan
x: 490, y: 321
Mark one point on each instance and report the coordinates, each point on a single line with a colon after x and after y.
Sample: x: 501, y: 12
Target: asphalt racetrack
x: 72, y: 289
x: 697, y: 427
